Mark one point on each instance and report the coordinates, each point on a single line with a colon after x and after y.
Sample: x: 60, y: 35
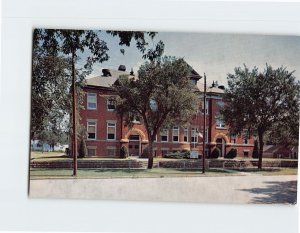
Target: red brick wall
x: 101, y: 115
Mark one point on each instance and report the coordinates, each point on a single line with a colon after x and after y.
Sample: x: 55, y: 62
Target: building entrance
x: 134, y: 145
x: 221, y: 145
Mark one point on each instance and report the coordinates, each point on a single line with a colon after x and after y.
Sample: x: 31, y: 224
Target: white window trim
x: 110, y: 122
x: 164, y: 135
x: 87, y: 100
x: 87, y: 124
x: 195, y: 135
x: 186, y: 130
x: 219, y: 125
x: 107, y: 103
x: 206, y: 135
x: 178, y: 133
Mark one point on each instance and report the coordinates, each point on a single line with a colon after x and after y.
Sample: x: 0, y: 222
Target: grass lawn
x: 125, y: 173
x: 275, y: 171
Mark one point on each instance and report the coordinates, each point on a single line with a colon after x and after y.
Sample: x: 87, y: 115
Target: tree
x: 257, y: 101
x: 255, y: 150
x: 162, y: 96
x: 70, y: 43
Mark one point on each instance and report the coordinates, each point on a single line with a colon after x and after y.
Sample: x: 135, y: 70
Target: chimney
x: 131, y: 72
x: 122, y: 68
x: 106, y: 72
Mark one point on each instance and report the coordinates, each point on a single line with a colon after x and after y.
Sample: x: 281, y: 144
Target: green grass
x: 275, y: 171
x: 124, y: 173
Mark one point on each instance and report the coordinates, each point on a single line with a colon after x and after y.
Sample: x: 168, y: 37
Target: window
x: 111, y: 104
x: 220, y: 123
x: 246, y: 137
x: 206, y: 107
x: 91, y: 151
x: 186, y: 135
x: 111, y: 131
x: 164, y: 135
x: 246, y: 153
x: 91, y: 128
x: 233, y: 138
x: 164, y: 152
x: 91, y: 101
x: 194, y: 135
x: 175, y: 134
x: 111, y: 151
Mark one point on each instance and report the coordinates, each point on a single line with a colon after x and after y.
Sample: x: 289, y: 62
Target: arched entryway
x: 136, y: 140
x: 221, y: 141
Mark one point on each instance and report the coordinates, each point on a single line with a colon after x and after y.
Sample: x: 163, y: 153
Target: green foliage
x: 124, y: 152
x: 178, y: 155
x: 259, y: 101
x: 146, y: 152
x: 255, y: 150
x: 215, y: 153
x: 162, y: 96
x: 231, y: 154
x: 82, y: 149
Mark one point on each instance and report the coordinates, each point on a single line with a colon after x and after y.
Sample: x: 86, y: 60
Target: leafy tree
x: 70, y: 43
x: 162, y: 96
x: 257, y: 101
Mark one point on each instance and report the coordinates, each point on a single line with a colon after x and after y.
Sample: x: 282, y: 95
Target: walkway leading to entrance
x: 230, y: 189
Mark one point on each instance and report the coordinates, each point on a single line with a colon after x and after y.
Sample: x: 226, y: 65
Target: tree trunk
x: 150, y: 158
x: 261, y: 146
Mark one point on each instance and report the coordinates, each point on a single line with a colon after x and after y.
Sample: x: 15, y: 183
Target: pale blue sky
x: 214, y: 54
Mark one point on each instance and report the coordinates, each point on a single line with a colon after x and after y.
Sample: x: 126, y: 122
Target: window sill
x: 91, y: 109
x: 221, y: 128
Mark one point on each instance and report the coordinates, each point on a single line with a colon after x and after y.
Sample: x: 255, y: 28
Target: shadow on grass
x: 284, y: 192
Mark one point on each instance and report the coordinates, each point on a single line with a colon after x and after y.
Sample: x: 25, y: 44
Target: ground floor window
x: 194, y: 135
x: 111, y: 151
x: 186, y: 135
x: 175, y: 134
x: 164, y: 135
x: 91, y: 151
x: 246, y: 153
x: 91, y: 129
x: 111, y: 131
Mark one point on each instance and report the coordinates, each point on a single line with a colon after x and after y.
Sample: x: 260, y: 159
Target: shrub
x: 178, y: 155
x: 231, y: 154
x: 124, y: 153
x: 82, y: 149
x: 145, y: 153
x: 255, y: 150
x: 215, y: 153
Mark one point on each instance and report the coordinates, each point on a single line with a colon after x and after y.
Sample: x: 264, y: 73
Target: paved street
x: 230, y: 189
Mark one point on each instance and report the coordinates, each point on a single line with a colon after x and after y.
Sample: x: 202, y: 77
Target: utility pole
x: 204, y: 125
x: 74, y: 138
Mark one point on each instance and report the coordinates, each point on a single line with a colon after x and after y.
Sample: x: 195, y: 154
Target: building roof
x: 108, y: 81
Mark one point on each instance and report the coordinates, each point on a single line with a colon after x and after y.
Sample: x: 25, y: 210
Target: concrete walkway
x: 229, y: 189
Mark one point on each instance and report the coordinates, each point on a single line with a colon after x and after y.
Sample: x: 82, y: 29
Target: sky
x: 215, y: 54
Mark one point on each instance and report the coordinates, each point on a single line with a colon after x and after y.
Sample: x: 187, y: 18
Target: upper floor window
x: 164, y: 135
x: 111, y: 105
x: 186, y: 135
x: 175, y: 133
x: 91, y: 129
x: 111, y: 131
x: 91, y: 101
x: 220, y: 123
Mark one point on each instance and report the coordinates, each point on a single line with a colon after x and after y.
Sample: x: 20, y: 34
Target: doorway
x: 134, y: 145
x: 221, y: 145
